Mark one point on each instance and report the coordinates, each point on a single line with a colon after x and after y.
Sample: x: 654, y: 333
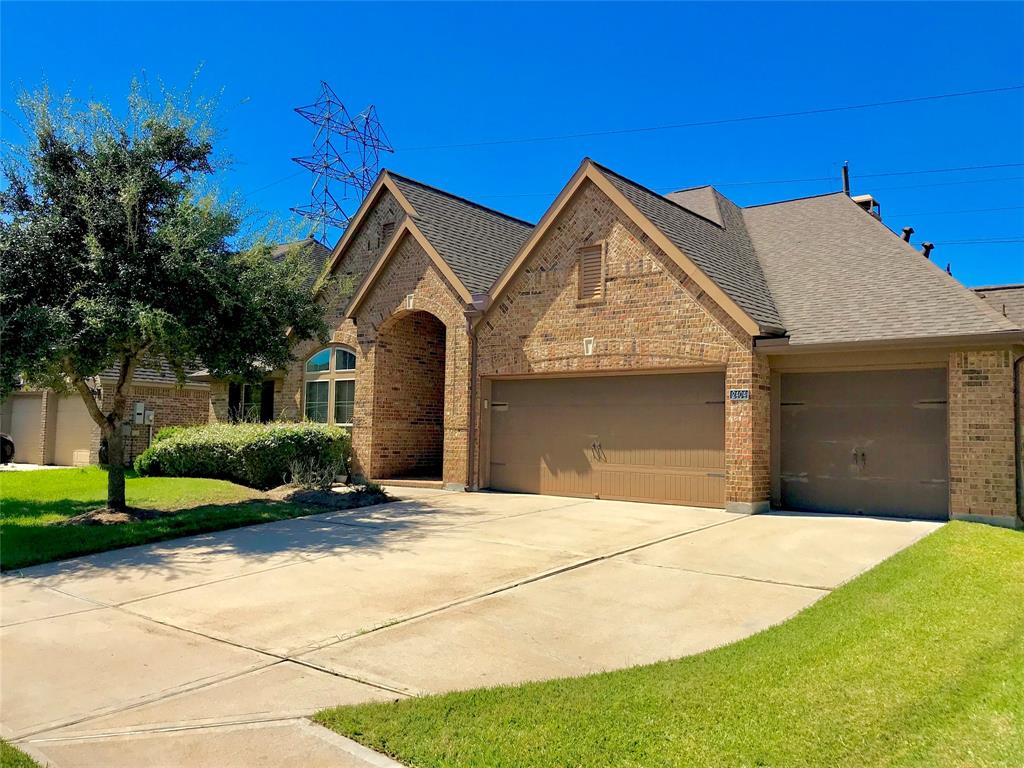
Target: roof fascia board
x: 408, y: 227
x: 384, y: 181
x: 783, y: 347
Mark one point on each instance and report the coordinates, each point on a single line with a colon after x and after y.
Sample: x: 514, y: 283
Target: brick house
x: 670, y: 348
x: 53, y: 428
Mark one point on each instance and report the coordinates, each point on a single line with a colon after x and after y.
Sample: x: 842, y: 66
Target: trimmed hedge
x: 257, y: 455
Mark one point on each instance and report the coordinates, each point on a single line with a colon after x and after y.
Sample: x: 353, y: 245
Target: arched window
x: 330, y: 386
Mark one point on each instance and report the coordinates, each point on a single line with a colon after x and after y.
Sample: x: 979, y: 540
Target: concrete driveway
x: 211, y: 650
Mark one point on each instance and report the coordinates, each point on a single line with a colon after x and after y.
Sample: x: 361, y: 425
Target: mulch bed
x: 343, y: 498
x: 105, y: 516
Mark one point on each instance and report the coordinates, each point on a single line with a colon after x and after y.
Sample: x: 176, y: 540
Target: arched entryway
x: 409, y: 394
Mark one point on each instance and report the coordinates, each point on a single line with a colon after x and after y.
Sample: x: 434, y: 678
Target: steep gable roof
x: 839, y: 275
x: 475, y: 241
x: 722, y: 251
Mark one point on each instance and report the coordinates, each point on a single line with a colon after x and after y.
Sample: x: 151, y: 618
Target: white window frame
x: 331, y: 376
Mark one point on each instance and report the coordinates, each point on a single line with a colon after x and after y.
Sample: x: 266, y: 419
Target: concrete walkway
x: 212, y: 650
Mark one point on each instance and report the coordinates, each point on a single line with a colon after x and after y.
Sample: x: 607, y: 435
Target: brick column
x: 982, y: 459
x: 747, y: 435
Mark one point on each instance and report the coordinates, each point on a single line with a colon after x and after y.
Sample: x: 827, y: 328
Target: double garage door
x: 865, y: 442
x: 640, y: 438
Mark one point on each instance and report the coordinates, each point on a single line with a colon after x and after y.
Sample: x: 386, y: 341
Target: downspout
x: 1018, y: 468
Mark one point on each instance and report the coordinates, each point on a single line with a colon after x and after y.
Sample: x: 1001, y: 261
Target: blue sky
x: 453, y: 73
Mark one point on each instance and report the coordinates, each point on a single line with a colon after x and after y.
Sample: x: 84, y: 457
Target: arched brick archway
x: 409, y: 397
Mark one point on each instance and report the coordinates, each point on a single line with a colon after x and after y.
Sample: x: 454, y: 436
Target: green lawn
x: 31, y: 501
x: 919, y: 662
x: 10, y: 757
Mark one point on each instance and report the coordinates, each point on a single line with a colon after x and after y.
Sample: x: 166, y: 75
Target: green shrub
x: 257, y: 455
x: 165, y: 432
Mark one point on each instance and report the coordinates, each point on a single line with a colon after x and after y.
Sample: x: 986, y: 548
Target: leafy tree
x: 115, y: 256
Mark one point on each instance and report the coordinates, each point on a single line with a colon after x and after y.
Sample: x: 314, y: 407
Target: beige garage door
x: 866, y: 442
x: 642, y: 438
x: 74, y: 432
x: 25, y: 429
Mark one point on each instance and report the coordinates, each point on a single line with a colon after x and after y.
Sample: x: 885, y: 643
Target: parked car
x: 6, y: 449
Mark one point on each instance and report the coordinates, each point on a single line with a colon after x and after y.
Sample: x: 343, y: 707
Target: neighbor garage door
x: 642, y: 438
x: 26, y: 427
x: 866, y: 442
x: 74, y: 432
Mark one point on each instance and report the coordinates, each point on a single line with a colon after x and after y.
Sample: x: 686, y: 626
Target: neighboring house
x: 50, y: 428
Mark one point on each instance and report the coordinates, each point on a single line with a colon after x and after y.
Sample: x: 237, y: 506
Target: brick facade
x: 408, y: 404
x: 652, y: 316
x: 982, y: 455
x: 172, y: 406
x: 379, y: 432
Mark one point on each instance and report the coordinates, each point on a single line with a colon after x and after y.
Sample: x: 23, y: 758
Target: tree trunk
x: 115, y: 469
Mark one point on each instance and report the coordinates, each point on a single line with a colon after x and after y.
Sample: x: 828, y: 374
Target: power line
x: 835, y: 179
x: 938, y: 170
x: 963, y: 210
x: 950, y: 183
x: 720, y: 121
x: 984, y: 241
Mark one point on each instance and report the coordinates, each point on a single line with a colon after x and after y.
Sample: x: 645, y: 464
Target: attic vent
x: 592, y: 272
x: 387, y: 229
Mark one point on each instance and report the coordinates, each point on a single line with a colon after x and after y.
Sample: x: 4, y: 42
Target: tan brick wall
x: 410, y: 271
x: 653, y: 316
x: 982, y: 460
x: 408, y: 405
x: 364, y: 248
x: 172, y: 406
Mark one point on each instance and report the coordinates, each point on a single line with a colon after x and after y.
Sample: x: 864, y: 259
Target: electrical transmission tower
x: 346, y: 151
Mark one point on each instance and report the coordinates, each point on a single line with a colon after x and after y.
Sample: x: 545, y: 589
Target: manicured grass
x: 11, y: 757
x: 919, y: 662
x: 31, y: 501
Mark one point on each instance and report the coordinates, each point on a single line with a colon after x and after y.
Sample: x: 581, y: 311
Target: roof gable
x: 722, y: 252
x: 477, y: 242
x: 839, y: 275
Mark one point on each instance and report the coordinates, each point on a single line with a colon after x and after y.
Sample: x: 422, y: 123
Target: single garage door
x: 26, y: 428
x: 74, y: 432
x: 640, y: 438
x: 866, y: 442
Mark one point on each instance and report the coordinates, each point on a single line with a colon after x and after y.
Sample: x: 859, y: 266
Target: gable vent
x: 592, y: 272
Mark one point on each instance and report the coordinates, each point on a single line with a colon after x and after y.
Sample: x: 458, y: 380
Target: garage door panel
x: 74, y: 432
x: 871, y: 442
x: 26, y: 427
x: 647, y: 438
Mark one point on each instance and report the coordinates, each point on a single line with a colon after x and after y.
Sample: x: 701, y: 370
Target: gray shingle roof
x: 152, y: 372
x: 313, y: 250
x: 701, y: 200
x: 476, y: 242
x: 839, y: 275
x: 1007, y: 300
x: 723, y: 253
